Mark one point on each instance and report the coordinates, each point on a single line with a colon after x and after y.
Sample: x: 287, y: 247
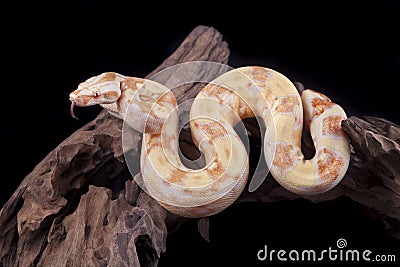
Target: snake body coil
x: 241, y: 93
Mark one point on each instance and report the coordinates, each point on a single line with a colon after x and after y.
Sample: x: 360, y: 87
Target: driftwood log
x: 81, y: 207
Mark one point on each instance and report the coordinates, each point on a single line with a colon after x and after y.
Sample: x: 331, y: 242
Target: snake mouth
x: 71, y: 110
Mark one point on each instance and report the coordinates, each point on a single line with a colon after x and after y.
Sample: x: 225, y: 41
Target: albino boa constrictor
x: 150, y: 107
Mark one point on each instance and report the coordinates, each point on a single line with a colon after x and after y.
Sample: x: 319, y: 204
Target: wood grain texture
x: 79, y: 205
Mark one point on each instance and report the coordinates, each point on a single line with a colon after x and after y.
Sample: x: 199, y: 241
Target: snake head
x: 101, y: 89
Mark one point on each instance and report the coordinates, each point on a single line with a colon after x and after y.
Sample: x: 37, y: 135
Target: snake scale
x: 151, y: 108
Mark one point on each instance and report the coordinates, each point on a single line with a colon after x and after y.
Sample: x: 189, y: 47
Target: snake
x: 245, y: 92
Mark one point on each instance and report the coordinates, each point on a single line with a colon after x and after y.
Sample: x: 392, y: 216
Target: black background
x: 345, y: 49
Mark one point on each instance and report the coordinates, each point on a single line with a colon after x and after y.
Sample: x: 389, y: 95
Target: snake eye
x: 97, y: 94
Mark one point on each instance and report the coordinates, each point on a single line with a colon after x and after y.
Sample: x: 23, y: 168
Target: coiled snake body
x: 241, y: 93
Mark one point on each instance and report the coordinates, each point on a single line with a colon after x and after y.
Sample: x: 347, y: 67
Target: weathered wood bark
x: 80, y: 206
